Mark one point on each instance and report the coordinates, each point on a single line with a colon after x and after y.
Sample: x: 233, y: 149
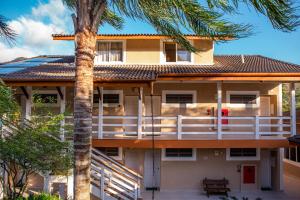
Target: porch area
x: 186, y: 110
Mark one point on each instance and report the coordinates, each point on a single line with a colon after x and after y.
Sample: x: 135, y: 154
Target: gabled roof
x: 62, y: 69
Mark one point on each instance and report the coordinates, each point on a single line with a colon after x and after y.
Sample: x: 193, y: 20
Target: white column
x: 293, y: 108
x: 70, y: 186
x: 279, y: 106
x: 47, y: 183
x: 100, y: 114
x: 256, y: 127
x: 179, y: 127
x: 28, y: 104
x: 62, y: 111
x: 280, y: 156
x: 140, y: 113
x: 219, y: 110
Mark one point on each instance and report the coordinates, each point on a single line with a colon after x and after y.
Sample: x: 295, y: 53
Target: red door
x: 248, y: 174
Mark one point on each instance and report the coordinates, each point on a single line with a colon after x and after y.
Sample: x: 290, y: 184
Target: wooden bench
x: 213, y: 186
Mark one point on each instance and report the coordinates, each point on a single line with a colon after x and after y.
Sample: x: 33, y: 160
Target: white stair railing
x: 112, y: 180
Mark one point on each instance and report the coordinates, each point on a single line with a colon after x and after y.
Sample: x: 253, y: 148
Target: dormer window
x: 173, y: 52
x: 109, y: 51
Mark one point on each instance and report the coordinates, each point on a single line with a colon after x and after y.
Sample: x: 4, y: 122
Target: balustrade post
x: 279, y: 107
x: 135, y: 191
x: 102, y: 195
x: 256, y: 127
x: 139, y: 188
x: 179, y: 127
x: 100, y: 113
x: 140, y: 113
x: 293, y: 108
x: 219, y: 110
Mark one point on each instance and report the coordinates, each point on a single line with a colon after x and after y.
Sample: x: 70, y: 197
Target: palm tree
x: 168, y: 17
x: 5, y: 31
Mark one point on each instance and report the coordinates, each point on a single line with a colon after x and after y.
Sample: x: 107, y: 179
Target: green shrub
x: 42, y: 196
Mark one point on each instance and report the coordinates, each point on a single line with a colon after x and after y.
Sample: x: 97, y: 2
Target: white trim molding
x: 192, y: 92
x: 163, y: 57
x: 237, y: 105
x: 165, y: 158
x: 243, y: 158
x: 97, y: 62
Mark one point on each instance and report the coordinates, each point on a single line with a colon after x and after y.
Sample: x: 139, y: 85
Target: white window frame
x: 165, y: 158
x: 57, y: 104
x: 112, y: 62
x: 238, y: 105
x: 243, y: 158
x: 190, y: 105
x: 120, y: 92
x: 163, y: 57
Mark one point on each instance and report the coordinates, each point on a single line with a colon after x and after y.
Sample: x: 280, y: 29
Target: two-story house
x: 169, y: 118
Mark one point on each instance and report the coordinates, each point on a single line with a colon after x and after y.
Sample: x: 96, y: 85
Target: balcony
x: 190, y: 127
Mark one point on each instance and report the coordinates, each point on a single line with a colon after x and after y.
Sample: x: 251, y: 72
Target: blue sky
x: 36, y: 20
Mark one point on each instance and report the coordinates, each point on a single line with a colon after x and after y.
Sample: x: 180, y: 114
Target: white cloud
x: 10, y: 53
x: 35, y: 30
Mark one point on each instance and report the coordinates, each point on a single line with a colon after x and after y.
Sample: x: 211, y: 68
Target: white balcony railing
x: 185, y: 127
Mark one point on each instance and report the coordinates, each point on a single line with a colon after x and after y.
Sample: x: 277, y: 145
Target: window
x: 178, y: 154
x: 292, y: 153
x: 179, y: 97
x: 111, y: 98
x: 114, y: 152
x: 243, y: 98
x: 243, y: 154
x: 110, y: 51
x: 175, y: 53
x: 45, y: 97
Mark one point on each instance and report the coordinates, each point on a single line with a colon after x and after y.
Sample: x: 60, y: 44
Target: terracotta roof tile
x: 64, y: 69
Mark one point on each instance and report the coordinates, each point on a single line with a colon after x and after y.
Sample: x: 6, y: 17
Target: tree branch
x: 97, y: 13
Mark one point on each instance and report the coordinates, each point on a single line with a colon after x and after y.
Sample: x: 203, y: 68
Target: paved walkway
x: 292, y: 192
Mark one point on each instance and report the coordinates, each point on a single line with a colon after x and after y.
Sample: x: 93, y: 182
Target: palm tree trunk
x: 85, y: 41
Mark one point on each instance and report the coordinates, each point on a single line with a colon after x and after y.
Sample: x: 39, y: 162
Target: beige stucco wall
x: 188, y: 175
x: 205, y: 51
x: 142, y: 51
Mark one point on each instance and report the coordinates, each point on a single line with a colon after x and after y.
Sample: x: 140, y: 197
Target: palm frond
x: 112, y: 19
x: 5, y: 31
